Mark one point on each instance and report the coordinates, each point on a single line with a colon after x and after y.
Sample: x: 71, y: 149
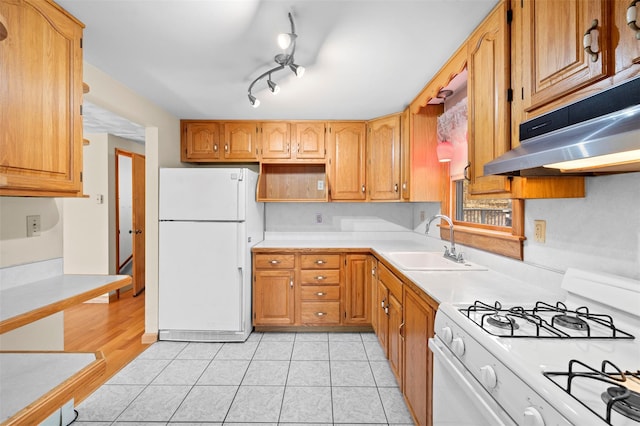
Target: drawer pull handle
x: 321, y: 314
x: 320, y: 277
x: 320, y: 262
x: 274, y: 262
x: 321, y: 294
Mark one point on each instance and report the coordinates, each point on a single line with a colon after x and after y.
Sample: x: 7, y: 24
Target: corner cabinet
x: 41, y: 103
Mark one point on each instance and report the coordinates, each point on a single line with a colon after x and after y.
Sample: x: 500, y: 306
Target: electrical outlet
x: 33, y: 226
x: 318, y: 217
x: 540, y: 230
x: 422, y: 216
x: 320, y: 185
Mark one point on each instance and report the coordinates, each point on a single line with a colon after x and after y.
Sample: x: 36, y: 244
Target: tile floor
x: 271, y: 379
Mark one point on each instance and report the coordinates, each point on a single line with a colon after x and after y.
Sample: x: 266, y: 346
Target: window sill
x: 497, y: 242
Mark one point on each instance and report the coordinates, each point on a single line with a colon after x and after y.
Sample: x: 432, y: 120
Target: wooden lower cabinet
x: 418, y: 363
x: 273, y: 297
x: 311, y: 288
x: 390, y: 319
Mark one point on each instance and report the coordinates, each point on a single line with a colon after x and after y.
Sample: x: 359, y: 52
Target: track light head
x: 275, y: 89
x: 285, y: 40
x: 253, y: 101
x: 297, y: 70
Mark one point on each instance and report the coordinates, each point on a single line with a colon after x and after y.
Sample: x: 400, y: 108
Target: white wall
x: 89, y: 226
x: 162, y: 149
x: 15, y: 247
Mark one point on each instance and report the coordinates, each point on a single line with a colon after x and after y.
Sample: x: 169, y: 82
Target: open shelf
x: 292, y: 182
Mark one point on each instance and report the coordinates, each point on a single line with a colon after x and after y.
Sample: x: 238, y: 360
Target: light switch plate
x: 540, y: 230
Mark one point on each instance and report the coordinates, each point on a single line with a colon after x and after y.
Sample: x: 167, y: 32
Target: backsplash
x: 600, y: 231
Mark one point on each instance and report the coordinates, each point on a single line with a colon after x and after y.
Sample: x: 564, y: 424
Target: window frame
x: 504, y: 241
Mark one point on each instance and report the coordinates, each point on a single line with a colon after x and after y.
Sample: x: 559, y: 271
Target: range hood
x: 597, y: 135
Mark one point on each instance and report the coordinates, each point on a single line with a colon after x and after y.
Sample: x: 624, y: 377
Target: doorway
x: 130, y: 217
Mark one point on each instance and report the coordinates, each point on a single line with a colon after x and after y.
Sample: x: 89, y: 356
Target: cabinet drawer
x: 275, y: 261
x: 320, y: 312
x: 320, y: 261
x: 390, y: 281
x: 319, y: 292
x: 321, y: 276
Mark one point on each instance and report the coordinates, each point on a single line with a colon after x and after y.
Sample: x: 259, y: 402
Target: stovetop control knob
x: 488, y: 377
x: 532, y: 417
x: 447, y: 335
x: 457, y: 345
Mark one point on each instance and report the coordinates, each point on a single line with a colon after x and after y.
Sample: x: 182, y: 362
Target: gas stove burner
x: 628, y: 406
x: 502, y: 321
x: 570, y: 322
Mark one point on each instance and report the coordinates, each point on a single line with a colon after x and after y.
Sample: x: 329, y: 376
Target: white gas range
x: 570, y: 362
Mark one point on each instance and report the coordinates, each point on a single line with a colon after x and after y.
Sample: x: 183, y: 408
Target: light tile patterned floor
x: 271, y: 379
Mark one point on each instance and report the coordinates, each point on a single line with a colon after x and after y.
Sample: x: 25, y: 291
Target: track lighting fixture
x: 287, y: 42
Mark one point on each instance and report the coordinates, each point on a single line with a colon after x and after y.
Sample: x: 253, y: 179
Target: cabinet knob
x: 632, y: 16
x: 395, y: 187
x: 274, y: 262
x: 320, y: 262
x: 215, y: 148
x: 363, y: 189
x: 291, y: 283
x: 321, y: 314
x: 587, y: 41
x: 320, y: 293
x: 226, y: 148
x: 320, y: 278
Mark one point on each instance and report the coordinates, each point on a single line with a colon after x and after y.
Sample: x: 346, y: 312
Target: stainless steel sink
x: 429, y: 261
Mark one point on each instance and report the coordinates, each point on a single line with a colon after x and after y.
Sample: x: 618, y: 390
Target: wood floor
x: 114, y: 328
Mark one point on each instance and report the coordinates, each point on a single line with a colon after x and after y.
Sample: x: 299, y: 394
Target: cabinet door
x: 373, y: 288
x: 418, y: 364
x: 40, y: 101
x: 383, y: 319
x: 273, y: 298
x: 553, y: 35
x: 357, y: 289
x: 275, y: 138
x: 201, y: 141
x: 309, y: 139
x: 395, y: 337
x: 240, y: 140
x: 488, y: 82
x: 383, y: 167
x: 347, y: 172
x: 628, y: 49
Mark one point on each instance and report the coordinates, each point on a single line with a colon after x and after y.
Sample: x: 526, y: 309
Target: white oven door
x: 458, y: 398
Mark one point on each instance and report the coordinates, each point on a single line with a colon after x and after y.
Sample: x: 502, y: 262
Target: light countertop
x: 442, y: 286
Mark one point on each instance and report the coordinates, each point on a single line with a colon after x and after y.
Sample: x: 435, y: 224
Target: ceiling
x: 196, y: 58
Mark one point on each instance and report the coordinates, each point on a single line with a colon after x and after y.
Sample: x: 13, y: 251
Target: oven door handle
x: 469, y: 385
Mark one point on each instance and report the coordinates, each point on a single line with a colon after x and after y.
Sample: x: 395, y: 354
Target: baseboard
x: 149, y: 338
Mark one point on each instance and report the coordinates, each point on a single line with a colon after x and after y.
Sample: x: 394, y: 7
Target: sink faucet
x: 449, y: 254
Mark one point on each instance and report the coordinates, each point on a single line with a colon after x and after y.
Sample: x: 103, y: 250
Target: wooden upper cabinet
x: 383, y: 165
x: 240, y: 140
x: 200, y: 140
x: 554, y: 33
x: 347, y: 149
x: 489, y: 109
x: 275, y: 140
x: 40, y: 106
x: 310, y: 140
x: 627, y: 53
x: 302, y: 141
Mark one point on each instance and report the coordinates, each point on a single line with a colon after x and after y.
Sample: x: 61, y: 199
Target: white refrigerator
x: 209, y: 220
